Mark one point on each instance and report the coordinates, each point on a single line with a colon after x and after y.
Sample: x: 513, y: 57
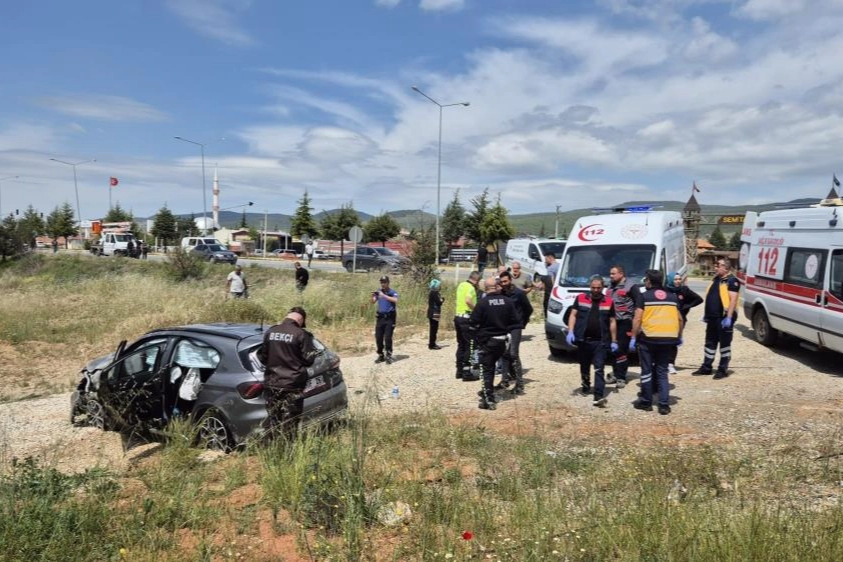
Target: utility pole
x: 556, y: 232
x: 265, y: 214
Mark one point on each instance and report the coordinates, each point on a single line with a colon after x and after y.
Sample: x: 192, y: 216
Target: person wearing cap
x: 302, y: 277
x: 286, y: 353
x: 386, y: 300
x: 465, y: 302
x: 434, y: 312
x: 235, y: 283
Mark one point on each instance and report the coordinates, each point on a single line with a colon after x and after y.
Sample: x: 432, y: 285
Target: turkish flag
x: 114, y: 181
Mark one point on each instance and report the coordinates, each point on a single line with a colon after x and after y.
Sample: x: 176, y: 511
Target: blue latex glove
x: 570, y: 338
x: 614, y: 347
x: 632, y: 344
x: 726, y: 323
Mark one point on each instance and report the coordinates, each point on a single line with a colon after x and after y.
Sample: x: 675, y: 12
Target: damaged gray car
x: 206, y: 373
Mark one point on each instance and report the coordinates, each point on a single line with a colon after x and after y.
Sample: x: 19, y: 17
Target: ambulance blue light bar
x: 633, y: 209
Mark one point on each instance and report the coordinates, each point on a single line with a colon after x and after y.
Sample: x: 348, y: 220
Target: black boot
x: 487, y: 401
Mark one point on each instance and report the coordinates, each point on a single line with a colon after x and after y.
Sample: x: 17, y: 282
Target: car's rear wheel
x: 214, y: 433
x: 349, y: 266
x: 556, y: 352
x: 765, y: 334
x: 96, y: 415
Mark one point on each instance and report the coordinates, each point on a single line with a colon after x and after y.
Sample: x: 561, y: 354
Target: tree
x: 542, y: 232
x: 475, y: 218
x: 453, y: 221
x: 424, y: 251
x: 30, y: 226
x: 186, y: 226
x: 381, y: 228
x: 10, y: 241
x: 735, y: 241
x: 243, y: 223
x: 717, y: 239
x: 118, y: 214
x: 164, y: 226
x: 496, y: 225
x: 62, y: 222
x: 337, y: 225
x: 302, y: 222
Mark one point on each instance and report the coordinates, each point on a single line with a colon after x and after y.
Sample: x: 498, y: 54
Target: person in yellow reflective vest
x: 721, y: 301
x: 656, y: 329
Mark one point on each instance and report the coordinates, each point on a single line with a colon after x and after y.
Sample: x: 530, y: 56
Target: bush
x: 183, y: 265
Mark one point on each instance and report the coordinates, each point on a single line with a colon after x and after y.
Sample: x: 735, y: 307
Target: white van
x: 638, y: 239
x: 791, y: 262
x: 530, y: 253
x: 192, y: 241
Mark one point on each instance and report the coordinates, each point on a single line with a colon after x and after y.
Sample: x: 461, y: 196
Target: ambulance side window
x: 533, y: 252
x: 805, y: 267
x: 836, y: 280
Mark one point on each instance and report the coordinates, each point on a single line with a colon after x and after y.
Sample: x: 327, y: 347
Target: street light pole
x: 75, y: 184
x: 204, y: 187
x: 1, y: 190
x: 439, y: 163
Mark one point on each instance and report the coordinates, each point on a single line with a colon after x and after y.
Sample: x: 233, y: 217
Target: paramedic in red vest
x: 620, y: 291
x: 656, y: 330
x: 592, y: 327
x: 721, y: 300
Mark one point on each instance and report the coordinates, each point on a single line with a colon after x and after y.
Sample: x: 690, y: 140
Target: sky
x: 572, y: 104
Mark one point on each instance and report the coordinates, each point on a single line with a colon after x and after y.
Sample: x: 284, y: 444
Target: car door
x: 131, y: 387
x: 832, y: 306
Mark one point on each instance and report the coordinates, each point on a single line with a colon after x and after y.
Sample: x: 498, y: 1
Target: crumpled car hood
x: 99, y: 363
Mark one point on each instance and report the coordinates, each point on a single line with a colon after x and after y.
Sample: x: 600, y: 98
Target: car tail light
x: 250, y: 390
x: 335, y: 363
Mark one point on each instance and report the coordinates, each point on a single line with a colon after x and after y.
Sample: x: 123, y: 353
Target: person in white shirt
x: 308, y: 250
x: 235, y: 283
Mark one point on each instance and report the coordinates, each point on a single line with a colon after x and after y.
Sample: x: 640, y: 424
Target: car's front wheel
x: 349, y: 267
x: 214, y: 433
x: 95, y: 415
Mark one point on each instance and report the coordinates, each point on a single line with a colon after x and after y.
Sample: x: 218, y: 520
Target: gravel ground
x: 773, y: 395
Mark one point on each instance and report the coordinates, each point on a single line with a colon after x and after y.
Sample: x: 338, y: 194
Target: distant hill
x: 527, y: 224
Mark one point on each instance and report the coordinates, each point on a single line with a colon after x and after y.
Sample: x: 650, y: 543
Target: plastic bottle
x: 395, y: 393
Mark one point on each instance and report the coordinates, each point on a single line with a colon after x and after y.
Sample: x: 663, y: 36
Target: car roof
x: 221, y: 329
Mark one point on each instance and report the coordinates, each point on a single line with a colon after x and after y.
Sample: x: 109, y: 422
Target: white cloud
x: 387, y: 3
x: 441, y: 5
x: 106, y: 108
x: 28, y: 136
x: 771, y: 9
x: 707, y: 45
x: 216, y: 19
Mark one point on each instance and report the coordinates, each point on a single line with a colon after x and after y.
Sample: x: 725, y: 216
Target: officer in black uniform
x: 493, y: 318
x: 511, y: 361
x: 286, y: 352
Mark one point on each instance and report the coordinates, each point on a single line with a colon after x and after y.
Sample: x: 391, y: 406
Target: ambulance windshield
x: 582, y: 262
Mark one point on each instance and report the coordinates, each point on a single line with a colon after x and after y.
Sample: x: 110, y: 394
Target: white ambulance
x: 530, y: 253
x: 637, y: 238
x: 791, y: 264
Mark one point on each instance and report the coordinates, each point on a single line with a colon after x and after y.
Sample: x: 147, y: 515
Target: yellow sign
x: 731, y: 219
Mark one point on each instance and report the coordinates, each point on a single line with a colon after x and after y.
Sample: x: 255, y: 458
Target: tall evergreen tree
x: 496, y: 226
x: 453, y: 224
x: 542, y: 232
x: 243, y: 223
x: 30, y: 226
x: 10, y: 241
x: 337, y: 225
x: 381, y: 228
x: 118, y: 214
x: 717, y: 239
x: 476, y: 217
x: 164, y: 226
x: 735, y: 241
x: 62, y: 222
x: 302, y: 221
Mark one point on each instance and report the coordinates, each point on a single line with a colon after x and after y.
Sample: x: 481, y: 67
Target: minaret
x: 216, y: 206
x: 691, y: 219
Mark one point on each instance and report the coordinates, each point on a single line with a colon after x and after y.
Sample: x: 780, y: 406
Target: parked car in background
x: 285, y: 254
x: 376, y: 259
x: 140, y: 385
x: 214, y: 253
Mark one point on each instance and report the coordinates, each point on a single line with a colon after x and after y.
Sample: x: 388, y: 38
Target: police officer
x: 721, y: 299
x: 286, y: 352
x: 511, y: 367
x: 656, y: 330
x: 493, y: 318
x: 592, y: 326
x: 465, y: 302
x: 621, y: 292
x: 386, y: 299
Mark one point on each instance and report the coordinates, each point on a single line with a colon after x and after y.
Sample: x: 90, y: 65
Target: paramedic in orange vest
x: 656, y: 330
x: 721, y: 301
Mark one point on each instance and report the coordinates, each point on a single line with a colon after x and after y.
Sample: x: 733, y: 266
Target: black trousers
x: 384, y: 328
x: 283, y: 410
x: 464, y: 335
x: 654, y: 359
x: 620, y: 361
x: 434, y: 329
x: 716, y: 335
x: 511, y: 360
x: 592, y: 352
x: 490, y: 351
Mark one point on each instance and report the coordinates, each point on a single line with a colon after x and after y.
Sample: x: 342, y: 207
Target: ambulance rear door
x: 832, y: 303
